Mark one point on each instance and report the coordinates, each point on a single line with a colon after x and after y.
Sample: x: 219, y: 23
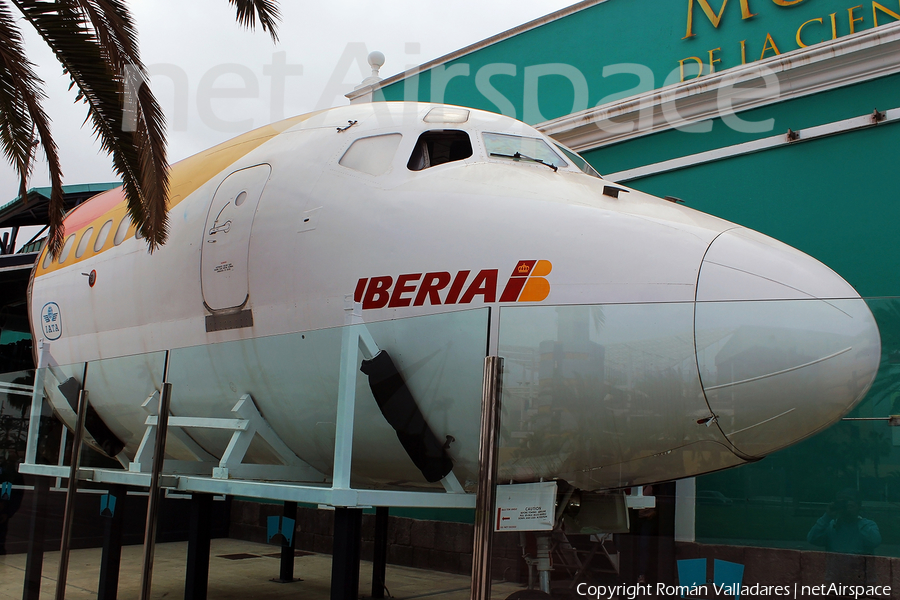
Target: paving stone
x: 812, y: 569
x: 504, y: 569
x: 421, y: 558
x: 368, y: 527
x: 305, y: 541
x: 895, y: 578
x: 422, y: 534
x: 250, y: 513
x: 733, y: 554
x: 322, y: 544
x: 400, y: 555
x: 687, y: 550
x: 231, y: 579
x: 770, y: 566
x: 399, y: 531
x: 445, y: 535
x: 366, y: 549
x: 465, y: 564
x: 309, y: 521
x: 878, y: 570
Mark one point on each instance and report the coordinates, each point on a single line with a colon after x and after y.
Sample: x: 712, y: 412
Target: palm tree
x: 95, y: 41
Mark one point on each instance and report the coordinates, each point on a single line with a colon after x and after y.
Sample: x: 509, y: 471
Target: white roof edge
x: 509, y: 33
x: 836, y: 63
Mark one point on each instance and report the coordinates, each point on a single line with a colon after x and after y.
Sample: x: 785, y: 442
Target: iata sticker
x: 527, y: 283
x: 51, y: 321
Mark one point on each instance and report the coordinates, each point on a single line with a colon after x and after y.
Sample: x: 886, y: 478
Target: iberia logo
x: 527, y: 283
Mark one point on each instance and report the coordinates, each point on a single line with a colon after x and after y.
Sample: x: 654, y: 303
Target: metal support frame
x: 247, y: 424
x: 345, y: 553
x: 34, y: 562
x: 355, y: 337
x: 108, y: 587
x: 286, y: 566
x: 69, y: 513
x: 153, y: 499
x: 379, y: 553
x: 37, y: 403
x: 487, y: 476
x: 16, y: 389
x: 232, y: 476
x: 196, y: 578
x: 248, y: 480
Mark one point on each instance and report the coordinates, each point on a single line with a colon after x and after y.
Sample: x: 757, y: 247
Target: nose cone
x: 785, y: 346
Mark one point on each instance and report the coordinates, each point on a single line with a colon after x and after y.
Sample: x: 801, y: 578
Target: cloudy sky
x: 194, y: 47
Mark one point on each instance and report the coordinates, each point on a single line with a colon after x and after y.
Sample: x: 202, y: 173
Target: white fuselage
x: 654, y: 316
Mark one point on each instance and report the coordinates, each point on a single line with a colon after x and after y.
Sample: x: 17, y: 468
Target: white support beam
x: 284, y: 492
x: 37, y: 403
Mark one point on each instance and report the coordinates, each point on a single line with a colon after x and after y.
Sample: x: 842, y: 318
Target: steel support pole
x: 69, y: 513
x: 196, y: 579
x: 487, y: 475
x: 286, y: 572
x: 108, y: 588
x: 37, y: 404
x: 379, y: 555
x: 345, y: 554
x: 34, y: 562
x: 159, y: 455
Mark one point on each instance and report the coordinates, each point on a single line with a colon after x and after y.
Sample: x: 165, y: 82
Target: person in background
x: 842, y: 530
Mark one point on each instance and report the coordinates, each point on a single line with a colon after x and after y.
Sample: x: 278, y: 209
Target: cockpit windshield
x: 579, y: 162
x: 522, y: 149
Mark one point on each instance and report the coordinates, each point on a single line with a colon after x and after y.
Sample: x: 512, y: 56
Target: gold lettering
x: 694, y: 58
x: 770, y: 44
x: 800, y: 31
x: 833, y: 26
x: 714, y: 18
x: 713, y: 60
x: 853, y: 21
x: 787, y: 2
x: 743, y: 52
x: 882, y: 9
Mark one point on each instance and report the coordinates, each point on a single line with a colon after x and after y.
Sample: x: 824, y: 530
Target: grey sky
x: 199, y: 38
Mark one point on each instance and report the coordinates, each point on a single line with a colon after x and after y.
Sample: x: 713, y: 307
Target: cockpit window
x: 522, y: 149
x: 438, y: 147
x: 373, y: 155
x: 579, y: 162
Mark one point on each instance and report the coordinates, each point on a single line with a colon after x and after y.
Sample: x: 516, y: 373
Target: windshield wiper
x: 519, y: 155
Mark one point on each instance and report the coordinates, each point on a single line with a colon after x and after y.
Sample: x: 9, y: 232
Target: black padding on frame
x: 107, y: 441
x: 402, y: 413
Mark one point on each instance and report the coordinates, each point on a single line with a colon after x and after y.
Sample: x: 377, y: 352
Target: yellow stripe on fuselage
x: 185, y: 177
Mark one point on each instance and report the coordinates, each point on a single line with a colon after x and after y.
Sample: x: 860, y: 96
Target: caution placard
x: 525, y: 507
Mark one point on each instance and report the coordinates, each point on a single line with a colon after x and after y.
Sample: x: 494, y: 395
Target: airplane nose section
x: 785, y: 346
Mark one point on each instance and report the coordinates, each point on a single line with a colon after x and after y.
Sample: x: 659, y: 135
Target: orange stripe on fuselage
x: 185, y: 177
x: 97, y: 207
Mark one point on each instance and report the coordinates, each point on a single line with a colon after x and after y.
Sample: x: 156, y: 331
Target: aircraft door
x: 224, y: 279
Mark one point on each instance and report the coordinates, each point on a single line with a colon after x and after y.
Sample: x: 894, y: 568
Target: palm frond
x: 117, y: 36
x: 266, y: 11
x: 93, y: 54
x: 16, y: 128
x: 23, y: 122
